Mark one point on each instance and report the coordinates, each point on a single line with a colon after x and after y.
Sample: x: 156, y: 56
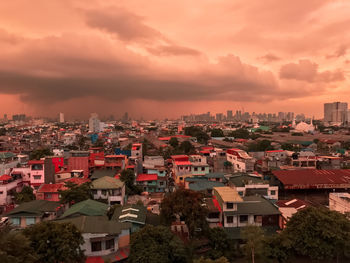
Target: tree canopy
x: 25, y: 195
x: 55, y: 242
x: 253, y: 237
x: 217, y: 133
x: 221, y: 245
x: 187, y: 205
x: 156, y: 244
x: 40, y: 153
x: 15, y: 247
x: 319, y: 233
x: 75, y: 193
x: 173, y: 142
x: 128, y: 177
x: 196, y: 131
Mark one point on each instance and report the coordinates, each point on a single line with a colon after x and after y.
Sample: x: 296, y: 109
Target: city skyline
x: 103, y: 57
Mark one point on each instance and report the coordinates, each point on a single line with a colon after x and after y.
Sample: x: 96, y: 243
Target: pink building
x: 37, y: 174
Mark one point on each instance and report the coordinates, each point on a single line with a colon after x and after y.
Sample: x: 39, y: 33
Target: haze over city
x: 169, y: 58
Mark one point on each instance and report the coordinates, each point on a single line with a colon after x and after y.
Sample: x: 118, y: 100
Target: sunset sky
x: 161, y: 58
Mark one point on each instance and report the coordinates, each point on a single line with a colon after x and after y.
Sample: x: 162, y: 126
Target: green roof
x: 36, y: 207
x: 101, y: 173
x: 88, y: 208
x: 304, y: 143
x: 215, y: 175
x: 255, y: 205
x: 6, y: 155
x: 244, y: 179
x: 107, y: 182
x: 130, y: 213
x: 96, y: 224
x: 204, y: 185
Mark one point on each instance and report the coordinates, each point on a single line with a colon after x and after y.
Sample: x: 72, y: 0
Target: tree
x: 156, y: 244
x: 187, y: 147
x: 25, y: 195
x: 75, y: 193
x: 56, y: 242
x: 174, y: 142
x: 253, y: 237
x: 128, y: 177
x: 195, y: 131
x: 221, y: 245
x: 15, y: 247
x: 40, y: 153
x: 187, y: 205
x: 240, y: 133
x: 319, y: 233
x: 217, y: 133
x: 278, y: 247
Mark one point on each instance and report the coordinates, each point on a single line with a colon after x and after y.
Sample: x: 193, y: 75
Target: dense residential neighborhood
x: 128, y: 180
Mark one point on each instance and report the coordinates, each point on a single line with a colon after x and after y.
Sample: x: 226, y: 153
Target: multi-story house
x: 118, y: 162
x: 246, y: 185
x: 240, y: 160
x: 237, y: 211
x: 37, y: 173
x: 49, y: 192
x: 340, y: 202
x: 8, y: 160
x: 181, y: 169
x: 110, y: 189
x: 9, y: 184
x: 151, y: 183
x: 200, y: 166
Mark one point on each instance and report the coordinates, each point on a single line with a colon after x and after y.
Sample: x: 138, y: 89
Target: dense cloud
x: 305, y: 70
x: 61, y: 51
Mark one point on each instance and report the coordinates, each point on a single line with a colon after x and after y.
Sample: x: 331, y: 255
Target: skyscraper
x: 229, y: 115
x: 94, y: 123
x: 61, y: 117
x: 335, y: 113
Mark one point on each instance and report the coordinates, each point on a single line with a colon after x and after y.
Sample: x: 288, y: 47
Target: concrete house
x: 110, y: 189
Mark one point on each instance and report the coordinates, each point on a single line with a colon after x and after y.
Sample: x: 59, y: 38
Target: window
x: 94, y: 192
x: 16, y: 221
x: 243, y: 219
x: 240, y: 193
x: 195, y: 168
x: 203, y: 168
x: 30, y: 221
x: 96, y: 246
x: 229, y: 205
x: 273, y: 192
x: 1, y: 192
x: 37, y: 177
x: 229, y: 219
x: 161, y: 183
x: 104, y: 192
x: 257, y: 219
x: 37, y: 167
x: 48, y: 196
x: 181, y: 178
x: 110, y: 243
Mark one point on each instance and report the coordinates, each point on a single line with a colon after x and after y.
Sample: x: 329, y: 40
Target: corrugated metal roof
x: 312, y: 178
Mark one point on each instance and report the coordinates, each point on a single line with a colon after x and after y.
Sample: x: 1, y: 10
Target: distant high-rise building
x: 94, y: 123
x: 335, y: 113
x: 219, y: 116
x: 229, y: 115
x: 125, y: 117
x: 61, y: 117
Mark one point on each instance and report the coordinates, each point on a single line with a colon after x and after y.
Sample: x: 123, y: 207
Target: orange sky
x: 161, y: 58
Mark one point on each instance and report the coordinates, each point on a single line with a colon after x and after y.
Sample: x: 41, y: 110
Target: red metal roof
x: 312, y: 178
x: 35, y: 162
x: 147, y: 177
x: 77, y: 180
x: 183, y: 163
x: 5, y: 177
x: 274, y: 151
x: 94, y: 260
x: 50, y: 188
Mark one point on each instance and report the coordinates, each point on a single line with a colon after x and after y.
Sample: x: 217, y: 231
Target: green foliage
x: 187, y: 147
x: 119, y: 128
x: 260, y: 146
x: 156, y: 244
x: 174, y: 142
x: 3, y: 131
x: 40, y: 153
x: 278, y: 247
x: 128, y: 177
x: 25, y: 195
x: 217, y: 133
x: 195, y: 131
x: 297, y: 134
x: 186, y: 204
x: 75, y: 193
x: 288, y: 147
x: 319, y: 233
x: 15, y: 247
x: 221, y: 245
x: 240, y: 133
x: 253, y: 237
x: 55, y: 242
x: 208, y: 260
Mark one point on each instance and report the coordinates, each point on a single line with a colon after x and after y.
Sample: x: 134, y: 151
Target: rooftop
x: 228, y: 194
